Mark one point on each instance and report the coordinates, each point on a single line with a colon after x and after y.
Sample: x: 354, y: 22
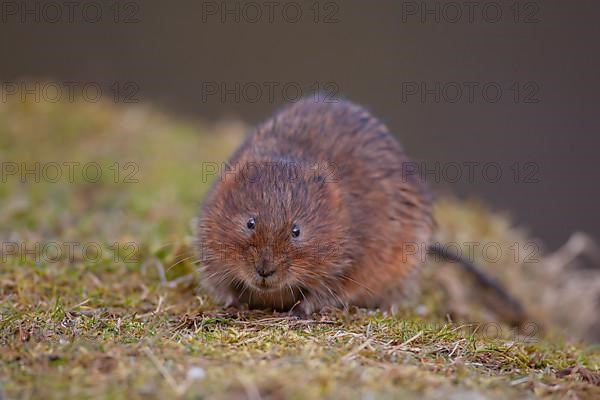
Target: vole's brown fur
x: 334, y: 172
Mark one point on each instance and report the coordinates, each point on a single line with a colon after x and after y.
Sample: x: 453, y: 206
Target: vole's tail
x: 508, y: 307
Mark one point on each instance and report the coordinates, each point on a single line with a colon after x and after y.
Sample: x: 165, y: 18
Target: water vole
x: 314, y: 211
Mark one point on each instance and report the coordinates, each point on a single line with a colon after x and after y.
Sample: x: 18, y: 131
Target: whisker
x: 334, y: 295
x: 292, y: 292
x: 302, y: 293
x: 244, y: 288
x: 178, y: 262
x: 359, y: 284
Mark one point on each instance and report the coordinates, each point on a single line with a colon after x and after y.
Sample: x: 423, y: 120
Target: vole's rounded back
x: 316, y: 209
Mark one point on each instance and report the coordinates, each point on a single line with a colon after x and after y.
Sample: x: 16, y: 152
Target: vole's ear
x: 228, y: 178
x: 325, y: 186
x: 230, y: 181
x: 324, y: 172
x: 316, y: 179
x: 239, y: 174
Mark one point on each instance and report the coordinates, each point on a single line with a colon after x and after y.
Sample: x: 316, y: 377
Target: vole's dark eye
x: 295, y: 231
x: 251, y: 223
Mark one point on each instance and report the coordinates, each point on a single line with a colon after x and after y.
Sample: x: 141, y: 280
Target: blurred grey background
x: 476, y: 88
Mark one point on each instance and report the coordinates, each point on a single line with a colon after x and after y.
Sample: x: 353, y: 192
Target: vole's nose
x: 265, y: 269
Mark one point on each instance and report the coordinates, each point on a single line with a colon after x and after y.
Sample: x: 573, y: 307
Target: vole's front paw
x: 232, y: 302
x: 302, y: 310
x: 298, y: 314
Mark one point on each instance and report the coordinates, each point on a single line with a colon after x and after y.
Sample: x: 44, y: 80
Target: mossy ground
x: 106, y: 305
